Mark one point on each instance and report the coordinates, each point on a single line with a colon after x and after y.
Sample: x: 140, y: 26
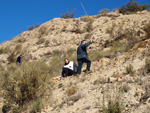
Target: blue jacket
x: 81, y: 50
x: 19, y: 59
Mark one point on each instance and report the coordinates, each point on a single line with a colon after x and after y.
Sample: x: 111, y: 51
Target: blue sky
x: 17, y: 15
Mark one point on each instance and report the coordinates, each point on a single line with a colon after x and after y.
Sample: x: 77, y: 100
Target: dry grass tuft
x: 71, y: 91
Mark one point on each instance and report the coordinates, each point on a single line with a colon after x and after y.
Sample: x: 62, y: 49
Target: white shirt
x: 69, y: 66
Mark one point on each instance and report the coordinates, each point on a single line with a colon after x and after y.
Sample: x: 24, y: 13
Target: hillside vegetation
x: 119, y: 82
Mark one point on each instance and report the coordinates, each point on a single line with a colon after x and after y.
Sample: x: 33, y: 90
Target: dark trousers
x: 80, y: 63
x: 66, y: 72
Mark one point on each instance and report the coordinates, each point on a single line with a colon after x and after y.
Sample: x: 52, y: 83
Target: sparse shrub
x: 40, y: 41
x: 129, y: 69
x: 64, y: 28
x: 115, y: 10
x: 112, y: 103
x: 56, y: 52
x: 100, y: 81
x: 88, y: 36
x: 133, y: 7
x: 97, y: 54
x: 26, y: 84
x: 147, y: 110
x: 28, y: 57
x: 89, y: 25
x: 36, y: 106
x: 146, y: 28
x: 68, y: 15
x: 48, y: 53
x: 115, y: 47
x: 4, y: 50
x: 54, y: 41
x: 104, y: 12
x: 146, y: 95
x: 131, y: 36
x: 18, y: 48
x: 125, y: 88
x: 56, y: 65
x: 60, y: 85
x: 110, y: 30
x: 12, y: 57
x: 105, y: 21
x: 33, y: 27
x: 70, y: 51
x: 42, y: 30
x: 77, y: 28
x: 71, y: 91
x: 47, y: 43
x: 147, y: 65
x: 21, y: 40
x: 1, y: 67
x: 76, y: 97
x: 119, y: 47
x: 85, y: 18
x: 12, y: 67
x: 73, y: 98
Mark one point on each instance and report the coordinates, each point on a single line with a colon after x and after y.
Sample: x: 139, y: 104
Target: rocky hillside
x: 121, y: 78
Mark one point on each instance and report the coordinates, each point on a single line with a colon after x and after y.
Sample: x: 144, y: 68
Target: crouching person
x: 70, y: 68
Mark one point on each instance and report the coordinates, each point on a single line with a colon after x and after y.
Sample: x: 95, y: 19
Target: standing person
x: 70, y: 68
x: 82, y: 56
x: 19, y: 60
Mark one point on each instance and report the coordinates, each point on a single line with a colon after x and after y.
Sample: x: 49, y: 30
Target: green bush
x: 132, y: 7
x: 25, y: 84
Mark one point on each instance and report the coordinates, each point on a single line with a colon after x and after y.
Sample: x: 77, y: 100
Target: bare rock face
x: 120, y: 44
